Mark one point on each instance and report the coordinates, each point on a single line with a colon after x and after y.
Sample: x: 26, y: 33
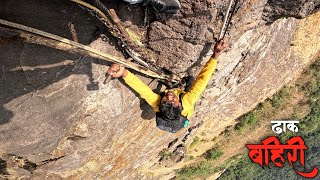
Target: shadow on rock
x: 5, y: 115
x: 147, y: 111
x: 27, y: 68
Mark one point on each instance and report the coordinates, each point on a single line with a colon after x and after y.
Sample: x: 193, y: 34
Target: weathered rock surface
x: 53, y: 114
x: 299, y: 9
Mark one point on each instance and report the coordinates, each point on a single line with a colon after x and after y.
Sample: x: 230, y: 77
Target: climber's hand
x: 116, y: 70
x: 219, y: 47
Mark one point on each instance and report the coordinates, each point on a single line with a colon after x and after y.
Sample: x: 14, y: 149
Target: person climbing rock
x: 173, y: 107
x: 166, y: 6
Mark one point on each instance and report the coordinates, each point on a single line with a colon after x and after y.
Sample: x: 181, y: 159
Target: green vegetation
x: 312, y: 87
x: 245, y: 169
x: 309, y: 130
x: 195, y: 142
x: 228, y: 131
x: 267, y: 108
x: 165, y: 154
x: 247, y: 120
x: 200, y: 171
x: 278, y: 98
x: 312, y: 121
x: 213, y: 154
x: 203, y: 169
x: 276, y: 101
x: 190, y: 157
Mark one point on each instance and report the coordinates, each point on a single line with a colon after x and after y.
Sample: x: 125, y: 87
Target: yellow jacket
x: 188, y: 98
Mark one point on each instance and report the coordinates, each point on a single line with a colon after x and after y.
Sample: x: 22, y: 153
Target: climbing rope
x: 32, y: 31
x: 227, y: 19
x: 128, y: 40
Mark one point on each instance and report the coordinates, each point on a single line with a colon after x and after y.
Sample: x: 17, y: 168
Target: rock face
x: 56, y: 113
x: 297, y: 8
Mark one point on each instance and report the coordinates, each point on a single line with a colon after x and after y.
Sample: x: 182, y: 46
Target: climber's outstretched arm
x: 135, y: 83
x: 205, y: 74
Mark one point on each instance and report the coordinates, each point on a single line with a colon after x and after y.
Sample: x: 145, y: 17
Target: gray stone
x: 50, y: 115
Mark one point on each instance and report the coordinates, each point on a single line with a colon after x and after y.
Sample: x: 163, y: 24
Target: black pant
x: 189, y: 81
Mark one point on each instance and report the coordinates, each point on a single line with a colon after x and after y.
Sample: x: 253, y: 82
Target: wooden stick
x: 32, y: 35
x: 225, y: 20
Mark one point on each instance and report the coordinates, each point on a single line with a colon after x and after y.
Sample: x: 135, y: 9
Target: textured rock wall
x: 298, y: 9
x: 53, y: 114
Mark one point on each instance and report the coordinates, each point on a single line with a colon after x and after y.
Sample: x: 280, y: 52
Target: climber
x: 166, y: 6
x: 173, y: 107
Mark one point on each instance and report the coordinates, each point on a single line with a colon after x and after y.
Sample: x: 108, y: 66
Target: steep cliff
x: 57, y: 115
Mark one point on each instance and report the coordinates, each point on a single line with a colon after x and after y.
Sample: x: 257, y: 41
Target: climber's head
x: 169, y: 117
x: 170, y: 107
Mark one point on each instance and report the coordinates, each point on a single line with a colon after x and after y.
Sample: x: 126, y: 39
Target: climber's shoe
x: 179, y: 153
x: 167, y: 6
